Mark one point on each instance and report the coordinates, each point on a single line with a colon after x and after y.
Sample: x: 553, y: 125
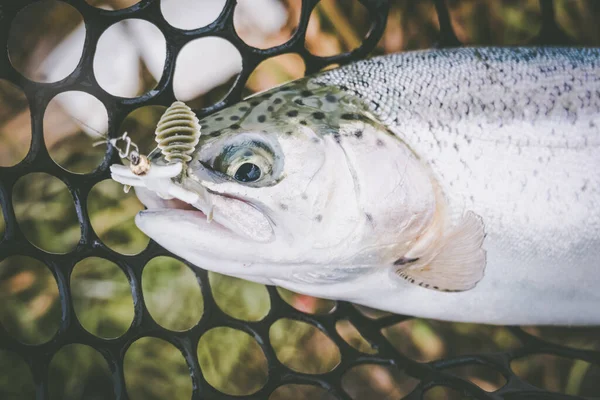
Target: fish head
x: 301, y: 182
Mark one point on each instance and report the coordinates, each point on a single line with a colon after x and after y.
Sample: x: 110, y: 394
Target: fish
x: 455, y: 184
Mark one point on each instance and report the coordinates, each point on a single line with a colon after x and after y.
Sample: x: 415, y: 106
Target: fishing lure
x: 177, y: 134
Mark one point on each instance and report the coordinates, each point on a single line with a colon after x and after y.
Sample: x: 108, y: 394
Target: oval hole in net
x: 155, y: 369
x: 46, y: 41
x: 372, y: 313
x: 307, y: 304
x: 371, y: 381
x: 140, y: 125
x: 242, y: 299
x: 303, y: 347
x: 577, y: 337
x: 483, y: 376
x: 112, y: 214
x: 410, y: 25
x: 275, y: 71
x: 73, y: 122
x: 204, y: 83
x: 579, y: 19
x: 112, y: 4
x: 337, y: 26
x: 558, y: 374
x: 301, y: 392
x: 266, y: 23
x: 232, y: 361
x: 353, y: 337
x: 16, y: 381
x: 78, y: 371
x: 29, y: 300
x: 428, y: 340
x: 443, y: 393
x: 15, y: 124
x: 495, y: 22
x: 102, y: 297
x: 46, y: 213
x: 191, y: 14
x: 130, y: 58
x: 172, y: 293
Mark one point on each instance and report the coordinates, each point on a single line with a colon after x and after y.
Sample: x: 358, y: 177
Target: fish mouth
x: 212, y: 212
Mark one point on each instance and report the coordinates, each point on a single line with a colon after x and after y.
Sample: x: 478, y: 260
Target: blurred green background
x: 231, y: 360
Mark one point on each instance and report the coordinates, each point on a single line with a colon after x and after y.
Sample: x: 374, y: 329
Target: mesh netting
x: 38, y: 357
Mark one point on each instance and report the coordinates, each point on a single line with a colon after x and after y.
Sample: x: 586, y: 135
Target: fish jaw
x: 230, y: 218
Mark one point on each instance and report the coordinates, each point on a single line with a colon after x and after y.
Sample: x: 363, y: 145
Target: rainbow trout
x: 459, y: 184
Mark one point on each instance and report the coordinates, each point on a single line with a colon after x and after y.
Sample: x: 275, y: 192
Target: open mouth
x: 190, y: 200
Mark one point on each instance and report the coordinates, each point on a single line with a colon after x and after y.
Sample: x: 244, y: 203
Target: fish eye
x: 247, y: 172
x: 250, y: 159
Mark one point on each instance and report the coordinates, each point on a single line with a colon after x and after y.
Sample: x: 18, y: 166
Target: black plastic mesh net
x: 38, y: 357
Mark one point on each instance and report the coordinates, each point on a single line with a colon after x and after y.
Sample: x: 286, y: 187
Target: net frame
x: 38, y: 159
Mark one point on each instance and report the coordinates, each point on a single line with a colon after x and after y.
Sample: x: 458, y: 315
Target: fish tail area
x: 457, y: 265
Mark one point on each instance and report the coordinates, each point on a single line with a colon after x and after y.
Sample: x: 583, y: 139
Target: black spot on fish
x: 380, y: 143
x: 303, y: 122
x: 350, y: 116
x: 358, y: 134
x: 288, y: 132
x: 292, y: 113
x: 262, y: 118
x: 234, y: 118
x: 267, y: 95
x: 304, y: 196
x: 584, y: 187
x: 315, y: 140
x: 234, y: 126
x: 369, y: 217
x: 331, y: 98
x: 270, y: 108
x: 219, y: 119
x: 243, y: 108
x: 318, y: 115
x: 203, y: 126
x: 404, y: 261
x: 215, y: 133
x: 436, y: 287
x: 455, y: 146
x: 254, y: 102
x: 284, y: 207
x: 319, y: 218
x: 202, y: 121
x: 277, y: 101
x: 306, y: 93
x: 299, y: 102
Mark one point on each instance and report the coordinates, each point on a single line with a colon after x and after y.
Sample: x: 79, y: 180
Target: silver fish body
x: 514, y: 135
x: 502, y: 142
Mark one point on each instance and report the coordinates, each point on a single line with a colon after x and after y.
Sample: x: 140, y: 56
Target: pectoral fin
x: 458, y: 264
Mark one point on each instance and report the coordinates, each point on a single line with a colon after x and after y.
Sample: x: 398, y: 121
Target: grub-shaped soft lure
x: 177, y: 134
